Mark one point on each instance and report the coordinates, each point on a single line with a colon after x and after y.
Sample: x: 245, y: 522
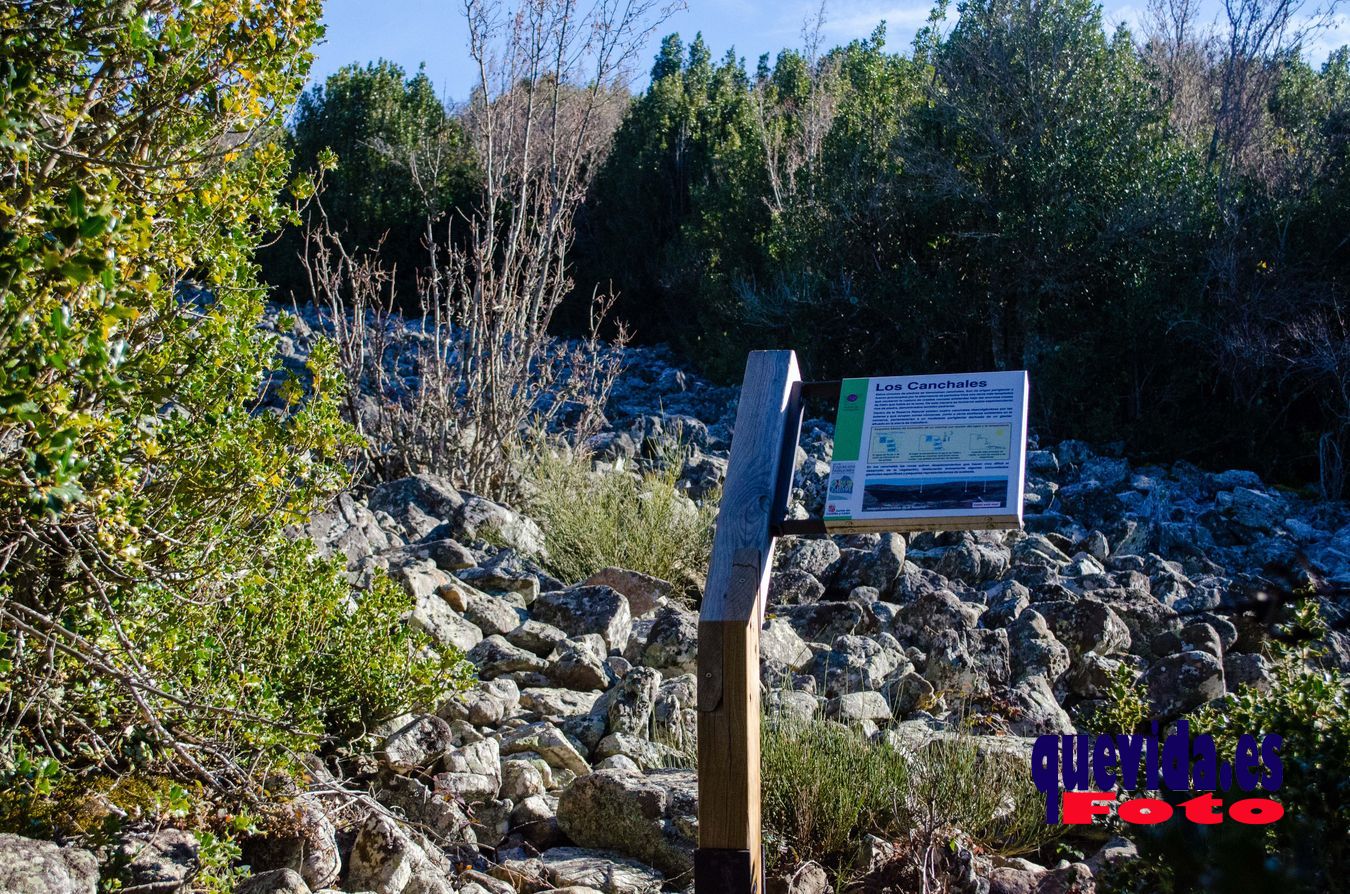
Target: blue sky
x: 410, y: 32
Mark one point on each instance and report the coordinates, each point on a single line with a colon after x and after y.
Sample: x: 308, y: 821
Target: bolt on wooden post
x: 729, y: 859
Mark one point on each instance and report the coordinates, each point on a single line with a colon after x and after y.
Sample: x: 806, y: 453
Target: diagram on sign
x: 949, y: 443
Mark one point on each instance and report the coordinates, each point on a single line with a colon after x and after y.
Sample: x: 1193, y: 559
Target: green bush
x: 1309, y: 706
x: 152, y: 614
x: 826, y: 786
x: 597, y: 519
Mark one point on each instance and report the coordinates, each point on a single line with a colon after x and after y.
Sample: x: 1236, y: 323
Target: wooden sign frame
x: 729, y: 858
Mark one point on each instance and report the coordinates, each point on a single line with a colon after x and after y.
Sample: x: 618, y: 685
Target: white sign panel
x: 919, y: 453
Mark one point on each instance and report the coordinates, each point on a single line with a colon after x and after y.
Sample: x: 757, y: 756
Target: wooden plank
x: 729, y: 622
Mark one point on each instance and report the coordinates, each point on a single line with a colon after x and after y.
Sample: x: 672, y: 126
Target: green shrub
x: 826, y: 786
x: 1309, y: 706
x: 152, y: 614
x: 1125, y: 705
x: 597, y: 519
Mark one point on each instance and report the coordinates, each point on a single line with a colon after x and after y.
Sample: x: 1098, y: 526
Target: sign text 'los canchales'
x: 943, y: 452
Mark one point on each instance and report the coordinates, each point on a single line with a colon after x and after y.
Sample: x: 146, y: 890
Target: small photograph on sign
x: 941, y: 452
x: 909, y: 495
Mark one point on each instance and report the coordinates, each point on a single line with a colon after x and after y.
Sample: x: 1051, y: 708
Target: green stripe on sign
x: 848, y: 424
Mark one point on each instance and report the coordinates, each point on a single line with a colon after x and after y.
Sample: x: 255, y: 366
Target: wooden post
x: 729, y: 859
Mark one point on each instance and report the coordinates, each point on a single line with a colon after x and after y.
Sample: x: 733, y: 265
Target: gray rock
x: 857, y: 707
x: 535, y: 820
x: 487, y: 704
x: 825, y: 621
x: 1035, y: 711
x: 436, y: 812
x: 537, y: 637
x: 547, y: 741
x: 1006, y: 603
x: 1087, y: 625
x: 576, y: 665
x: 347, y: 528
x: 489, y: 613
x: 419, y: 744
x: 643, y: 592
x: 1091, y: 675
x: 386, y: 860
x: 672, y: 642
x: 558, y: 702
x: 855, y: 664
x: 795, y: 587
x: 1181, y: 682
x: 418, y: 503
x: 781, y: 647
x: 40, y: 867
x: 1256, y: 510
x: 814, y: 556
x: 492, y: 821
x: 520, y: 780
x: 877, y: 567
x: 1247, y: 669
x: 438, y: 620
x: 973, y: 562
x: 645, y: 753
x: 482, y: 518
x: 163, y: 862
x: 628, y: 706
x: 275, y: 881
x: 581, y: 610
x: 907, y: 693
x: 675, y: 712
x: 508, y: 573
x: 1033, y: 648
x: 652, y: 817
x: 572, y: 867
x: 495, y: 656
x: 792, y: 704
x: 472, y: 773
x: 807, y: 878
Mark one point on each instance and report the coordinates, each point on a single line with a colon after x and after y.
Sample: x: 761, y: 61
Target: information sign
x: 937, y: 452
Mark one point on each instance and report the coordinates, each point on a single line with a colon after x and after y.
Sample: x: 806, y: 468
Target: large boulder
x: 581, y: 610
x: 434, y: 617
x: 481, y: 518
x: 163, y: 862
x: 643, y: 592
x: 580, y: 664
x: 308, y: 846
x: 495, y: 656
x: 652, y: 817
x: 672, y: 642
x: 274, y: 881
x: 1034, y: 649
x: 578, y: 869
x: 386, y: 860
x: 1086, y: 625
x: 1181, y: 682
x: 40, y: 867
x: 547, y: 741
x: 419, y: 744
x: 419, y: 503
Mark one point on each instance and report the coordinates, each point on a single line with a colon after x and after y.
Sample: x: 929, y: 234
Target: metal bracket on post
x: 725, y: 871
x: 779, y: 523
